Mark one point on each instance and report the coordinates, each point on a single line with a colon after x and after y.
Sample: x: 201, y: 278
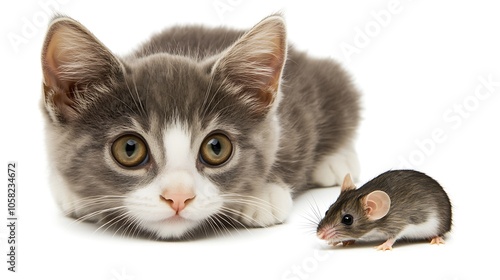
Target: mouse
x: 397, y: 204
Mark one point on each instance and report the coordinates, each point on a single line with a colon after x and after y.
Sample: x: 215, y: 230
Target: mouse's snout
x: 326, y: 233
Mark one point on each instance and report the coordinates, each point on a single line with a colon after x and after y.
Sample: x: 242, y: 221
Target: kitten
x: 197, y: 130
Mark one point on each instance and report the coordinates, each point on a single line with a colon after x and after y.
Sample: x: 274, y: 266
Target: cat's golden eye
x: 216, y: 149
x: 129, y: 150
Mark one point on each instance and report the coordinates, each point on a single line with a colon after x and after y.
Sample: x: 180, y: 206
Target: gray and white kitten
x: 198, y: 130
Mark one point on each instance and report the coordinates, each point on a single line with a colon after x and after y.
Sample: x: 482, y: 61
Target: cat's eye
x: 130, y: 150
x: 216, y: 149
x: 347, y: 219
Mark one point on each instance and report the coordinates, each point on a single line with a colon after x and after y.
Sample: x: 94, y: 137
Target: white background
x: 418, y: 70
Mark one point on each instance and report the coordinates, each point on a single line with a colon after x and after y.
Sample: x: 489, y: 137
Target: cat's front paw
x: 271, y: 206
x: 331, y: 170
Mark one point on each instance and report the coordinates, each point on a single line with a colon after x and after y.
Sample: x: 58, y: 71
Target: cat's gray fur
x: 281, y: 139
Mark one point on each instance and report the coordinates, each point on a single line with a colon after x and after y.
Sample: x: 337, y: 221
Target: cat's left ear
x: 77, y: 68
x: 252, y: 67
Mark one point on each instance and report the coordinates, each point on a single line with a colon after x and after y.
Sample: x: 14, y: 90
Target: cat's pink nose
x: 178, y: 200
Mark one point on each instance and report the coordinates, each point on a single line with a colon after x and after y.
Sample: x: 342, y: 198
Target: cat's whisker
x: 211, y: 96
x: 96, y: 201
x: 250, y: 202
x: 223, y: 212
x: 218, y: 102
x: 209, y: 105
x: 96, y: 213
x: 242, y: 215
x: 249, y: 198
x: 220, y: 226
x: 153, y: 235
x: 112, y: 221
x: 212, y: 225
x: 137, y: 102
x: 128, y: 225
x: 125, y: 224
x: 191, y: 234
x: 227, y: 107
x: 206, y: 95
x: 93, y: 200
x: 132, y: 224
x: 228, y: 220
x: 204, y: 227
x: 225, y: 218
x: 256, y: 204
x: 122, y: 102
x: 96, y: 198
x: 116, y: 220
x: 261, y: 206
x: 86, y: 217
x: 136, y: 226
x: 93, y: 203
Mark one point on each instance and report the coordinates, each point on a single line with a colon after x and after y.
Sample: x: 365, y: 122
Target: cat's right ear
x: 252, y: 67
x: 77, y: 68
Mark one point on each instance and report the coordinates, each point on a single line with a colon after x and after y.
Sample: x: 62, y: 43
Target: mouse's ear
x: 347, y: 184
x: 376, y: 205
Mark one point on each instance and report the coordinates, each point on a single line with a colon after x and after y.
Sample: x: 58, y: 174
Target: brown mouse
x: 398, y: 204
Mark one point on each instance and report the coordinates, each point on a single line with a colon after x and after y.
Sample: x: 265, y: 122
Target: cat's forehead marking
x: 177, y: 145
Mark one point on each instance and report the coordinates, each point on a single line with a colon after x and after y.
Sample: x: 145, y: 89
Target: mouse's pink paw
x: 334, y: 243
x: 383, y: 247
x: 348, y: 242
x: 386, y: 245
x: 437, y: 240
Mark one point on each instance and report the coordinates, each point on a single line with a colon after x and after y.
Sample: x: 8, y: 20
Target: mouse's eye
x: 347, y: 219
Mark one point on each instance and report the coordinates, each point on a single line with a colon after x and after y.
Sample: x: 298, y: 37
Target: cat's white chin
x: 156, y: 217
x: 173, y: 227
x: 162, y: 222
